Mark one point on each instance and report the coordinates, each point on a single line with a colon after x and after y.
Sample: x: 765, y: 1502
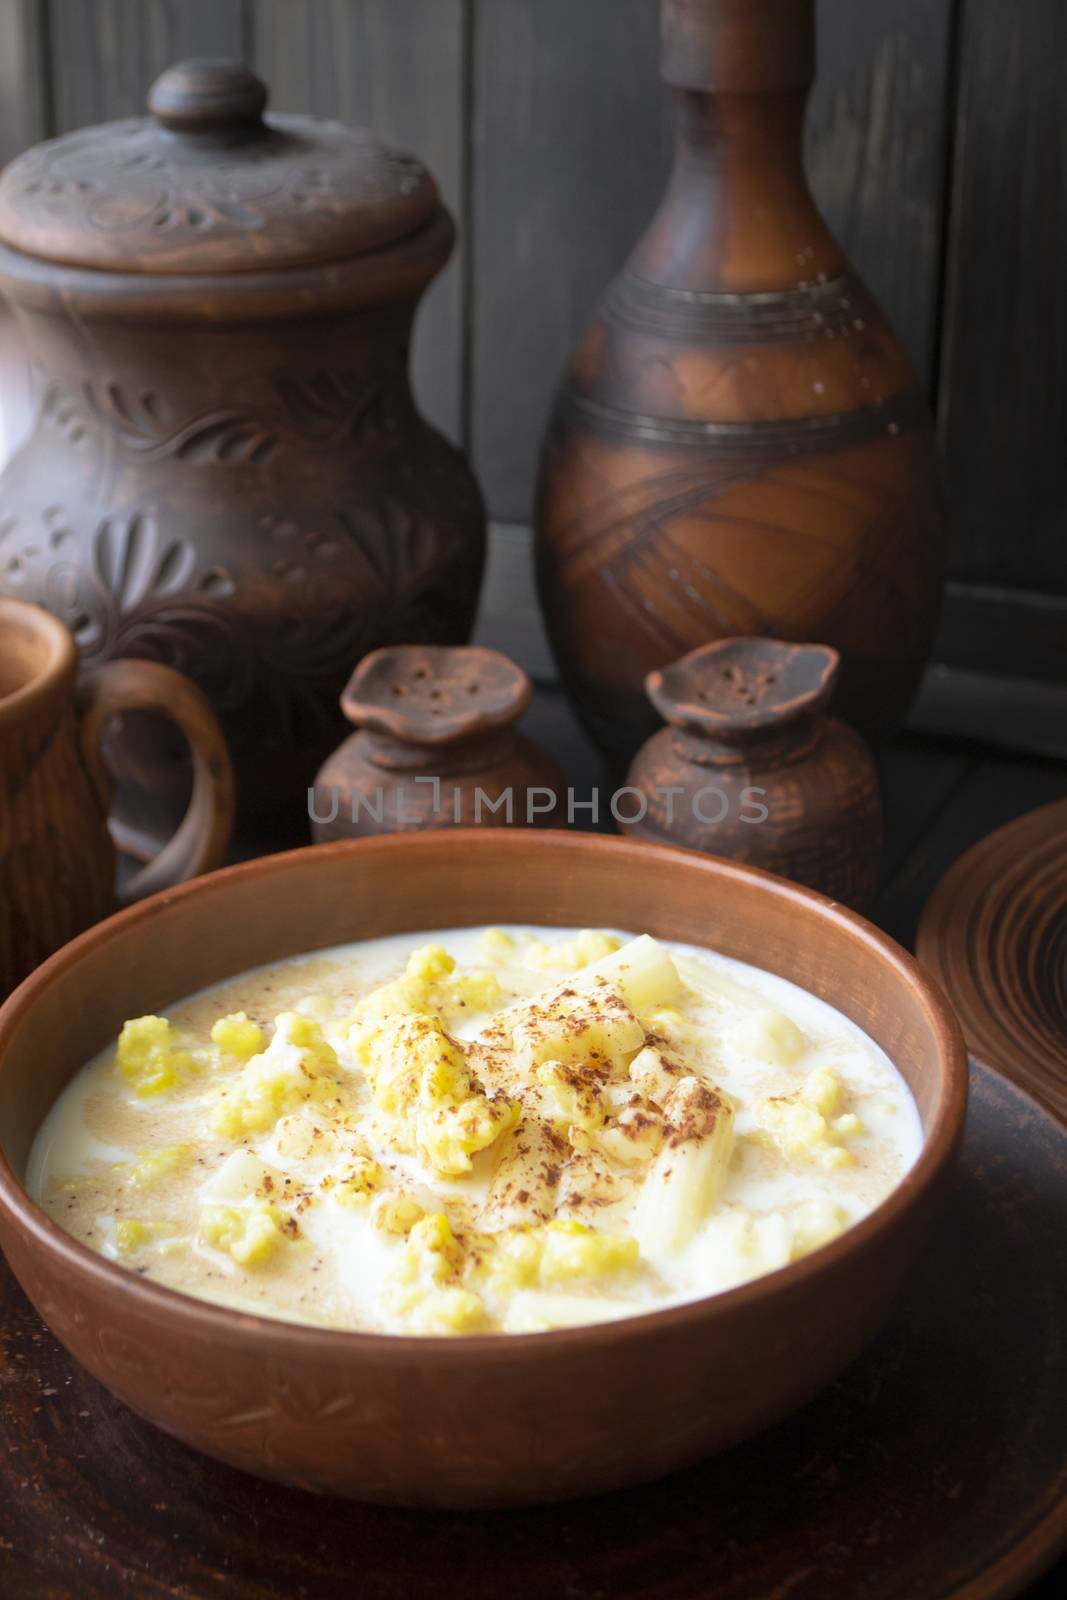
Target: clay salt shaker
x: 437, y: 747
x: 758, y: 771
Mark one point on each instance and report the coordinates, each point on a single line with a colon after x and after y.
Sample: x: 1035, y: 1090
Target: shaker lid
x: 435, y: 694
x: 734, y: 690
x: 207, y: 184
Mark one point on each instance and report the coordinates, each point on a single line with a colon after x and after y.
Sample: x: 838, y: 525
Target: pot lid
x: 208, y: 184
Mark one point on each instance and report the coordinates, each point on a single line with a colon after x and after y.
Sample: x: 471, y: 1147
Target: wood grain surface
x: 105, y: 55
x: 571, y: 147
x: 399, y: 67
x: 935, y: 1468
x: 875, y: 152
x: 1003, y: 401
x: 994, y: 934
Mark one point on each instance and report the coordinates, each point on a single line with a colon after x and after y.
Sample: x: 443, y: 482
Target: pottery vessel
x: 437, y: 747
x: 57, y: 861
x: 750, y: 767
x: 491, y: 1420
x: 228, y: 472
x: 740, y: 445
x: 994, y: 935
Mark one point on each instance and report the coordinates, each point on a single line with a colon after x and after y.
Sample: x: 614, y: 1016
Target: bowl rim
x: 21, y: 1213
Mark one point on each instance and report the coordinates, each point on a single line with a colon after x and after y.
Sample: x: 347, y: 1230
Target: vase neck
x: 738, y: 216
x: 739, y: 46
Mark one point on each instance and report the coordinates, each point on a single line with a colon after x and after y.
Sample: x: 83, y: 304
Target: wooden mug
x: 57, y: 859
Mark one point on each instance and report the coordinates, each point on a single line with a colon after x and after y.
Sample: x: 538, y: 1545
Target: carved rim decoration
x: 207, y: 185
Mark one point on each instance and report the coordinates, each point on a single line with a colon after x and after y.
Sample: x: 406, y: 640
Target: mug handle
x: 203, y: 836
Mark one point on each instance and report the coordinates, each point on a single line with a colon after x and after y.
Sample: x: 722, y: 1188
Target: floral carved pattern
x: 322, y: 408
x: 129, y: 588
x: 130, y: 189
x: 267, y: 586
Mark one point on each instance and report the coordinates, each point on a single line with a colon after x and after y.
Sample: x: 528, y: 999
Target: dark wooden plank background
x: 400, y: 67
x: 937, y: 144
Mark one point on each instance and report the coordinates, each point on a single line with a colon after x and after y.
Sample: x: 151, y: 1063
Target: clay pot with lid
x: 750, y: 767
x: 228, y: 471
x: 437, y: 746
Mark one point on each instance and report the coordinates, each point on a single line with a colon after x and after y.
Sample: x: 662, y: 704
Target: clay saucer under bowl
x: 471, y: 1421
x: 994, y: 934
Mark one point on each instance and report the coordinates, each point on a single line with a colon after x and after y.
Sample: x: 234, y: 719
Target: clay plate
x: 935, y: 1468
x: 994, y: 933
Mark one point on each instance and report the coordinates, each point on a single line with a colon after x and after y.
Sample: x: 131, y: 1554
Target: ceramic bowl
x: 468, y: 1421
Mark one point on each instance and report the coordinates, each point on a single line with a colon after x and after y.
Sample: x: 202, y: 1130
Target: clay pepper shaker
x: 437, y: 747
x: 758, y: 771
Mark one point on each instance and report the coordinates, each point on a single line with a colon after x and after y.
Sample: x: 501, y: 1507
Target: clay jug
x: 57, y: 860
x: 740, y: 446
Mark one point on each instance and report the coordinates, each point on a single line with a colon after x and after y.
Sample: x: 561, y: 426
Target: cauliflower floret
x: 130, y: 1234
x: 148, y: 1056
x: 815, y: 1222
x: 428, y: 986
x: 514, y: 1260
x: 432, y: 1252
x: 450, y: 1310
x: 570, y: 955
x: 429, y: 963
x: 407, y: 1059
x: 362, y: 1180
x: 798, y: 1123
x: 451, y: 1134
x: 736, y: 1247
x: 297, y: 1067
x: 236, y: 1036
x: 408, y: 995
x: 250, y: 1233
x: 573, y: 1097
x: 155, y: 1164
x: 848, y: 1125
x: 496, y: 944
x: 299, y: 1136
x: 822, y: 1090
x: 395, y: 1211
x: 420, y: 1075
x: 571, y: 1250
x: 472, y: 991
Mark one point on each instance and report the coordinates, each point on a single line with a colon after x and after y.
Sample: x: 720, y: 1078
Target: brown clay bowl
x: 470, y: 1421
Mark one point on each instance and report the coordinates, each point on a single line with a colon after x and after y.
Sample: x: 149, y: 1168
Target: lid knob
x: 208, y: 95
